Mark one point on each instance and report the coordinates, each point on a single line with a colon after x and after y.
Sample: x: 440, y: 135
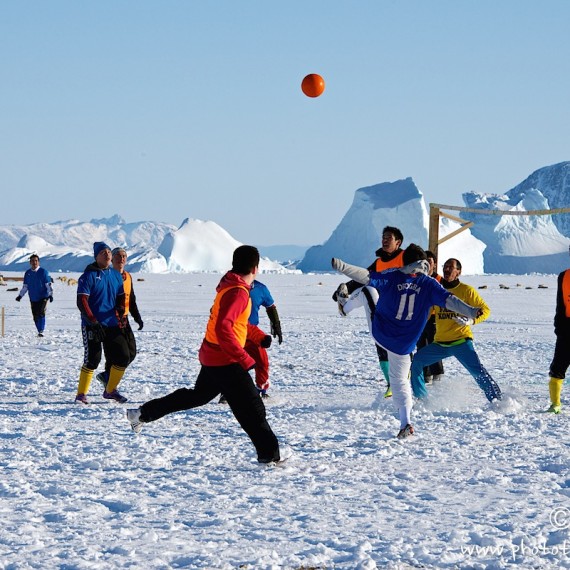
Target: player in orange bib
x: 225, y: 363
x: 119, y: 261
x: 561, y: 360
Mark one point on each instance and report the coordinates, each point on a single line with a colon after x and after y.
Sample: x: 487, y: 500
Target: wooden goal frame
x: 436, y: 212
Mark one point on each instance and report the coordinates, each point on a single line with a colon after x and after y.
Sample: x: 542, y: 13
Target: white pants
x: 401, y: 385
x: 367, y: 297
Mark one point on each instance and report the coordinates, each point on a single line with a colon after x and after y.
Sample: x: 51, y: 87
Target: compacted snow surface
x: 478, y: 486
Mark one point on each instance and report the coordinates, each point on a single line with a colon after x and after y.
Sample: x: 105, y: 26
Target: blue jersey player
x: 38, y: 284
x: 403, y: 300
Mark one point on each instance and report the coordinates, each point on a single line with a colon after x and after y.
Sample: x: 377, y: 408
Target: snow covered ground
x: 478, y: 486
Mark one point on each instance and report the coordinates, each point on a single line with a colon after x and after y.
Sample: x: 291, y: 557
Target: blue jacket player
x: 38, y: 285
x: 404, y: 298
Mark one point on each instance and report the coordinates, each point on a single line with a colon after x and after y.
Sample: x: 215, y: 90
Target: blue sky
x: 171, y: 109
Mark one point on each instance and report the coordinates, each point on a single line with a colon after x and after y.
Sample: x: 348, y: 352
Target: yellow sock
x: 85, y: 377
x: 555, y: 389
x: 115, y: 375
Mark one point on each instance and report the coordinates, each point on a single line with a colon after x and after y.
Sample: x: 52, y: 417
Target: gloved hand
x: 463, y: 321
x: 18, y: 298
x: 122, y: 321
x: 50, y: 298
x: 95, y: 332
x: 275, y: 323
x: 276, y: 331
x: 266, y: 342
x: 141, y: 324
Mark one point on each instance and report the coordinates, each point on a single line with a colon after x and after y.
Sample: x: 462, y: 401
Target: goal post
x: 435, y: 213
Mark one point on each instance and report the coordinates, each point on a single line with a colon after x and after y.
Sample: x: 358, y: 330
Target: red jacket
x: 233, y: 305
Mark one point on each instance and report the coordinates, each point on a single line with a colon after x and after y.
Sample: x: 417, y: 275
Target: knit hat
x: 98, y: 247
x: 119, y: 250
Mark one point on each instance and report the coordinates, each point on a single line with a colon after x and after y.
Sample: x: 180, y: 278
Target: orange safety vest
x: 128, y: 287
x: 566, y: 292
x: 240, y: 324
x: 398, y: 261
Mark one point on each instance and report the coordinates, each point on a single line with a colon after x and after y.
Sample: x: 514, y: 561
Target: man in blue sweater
x: 38, y: 284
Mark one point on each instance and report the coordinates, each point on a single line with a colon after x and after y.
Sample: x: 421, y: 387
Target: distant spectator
x: 38, y: 284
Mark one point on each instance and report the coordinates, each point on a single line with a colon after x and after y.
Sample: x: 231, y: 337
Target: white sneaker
x: 134, y: 417
x: 428, y: 380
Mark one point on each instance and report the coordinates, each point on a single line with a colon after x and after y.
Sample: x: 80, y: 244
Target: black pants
x: 237, y: 386
x: 115, y: 347
x: 561, y: 360
x: 131, y: 346
x: 39, y: 308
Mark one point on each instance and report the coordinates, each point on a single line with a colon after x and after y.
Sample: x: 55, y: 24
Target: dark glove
x: 141, y: 324
x: 50, y: 298
x: 266, y: 342
x: 122, y: 321
x: 276, y: 331
x: 275, y: 323
x: 18, y: 298
x: 95, y: 332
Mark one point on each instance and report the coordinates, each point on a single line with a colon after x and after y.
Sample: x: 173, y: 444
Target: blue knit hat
x: 98, y: 247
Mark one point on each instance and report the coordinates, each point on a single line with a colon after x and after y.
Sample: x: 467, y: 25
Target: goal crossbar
x: 435, y: 213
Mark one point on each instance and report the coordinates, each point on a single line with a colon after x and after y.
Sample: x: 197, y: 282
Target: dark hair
x: 413, y: 253
x: 394, y: 231
x: 457, y: 262
x: 430, y: 255
x: 34, y: 255
x: 245, y: 259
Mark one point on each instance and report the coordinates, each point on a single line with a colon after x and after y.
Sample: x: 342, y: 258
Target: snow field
x: 475, y: 488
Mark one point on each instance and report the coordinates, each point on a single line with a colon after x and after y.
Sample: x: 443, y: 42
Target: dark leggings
x: 237, y: 386
x: 561, y: 360
x: 115, y: 346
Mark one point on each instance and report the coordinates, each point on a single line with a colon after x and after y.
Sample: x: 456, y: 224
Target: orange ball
x: 313, y: 85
